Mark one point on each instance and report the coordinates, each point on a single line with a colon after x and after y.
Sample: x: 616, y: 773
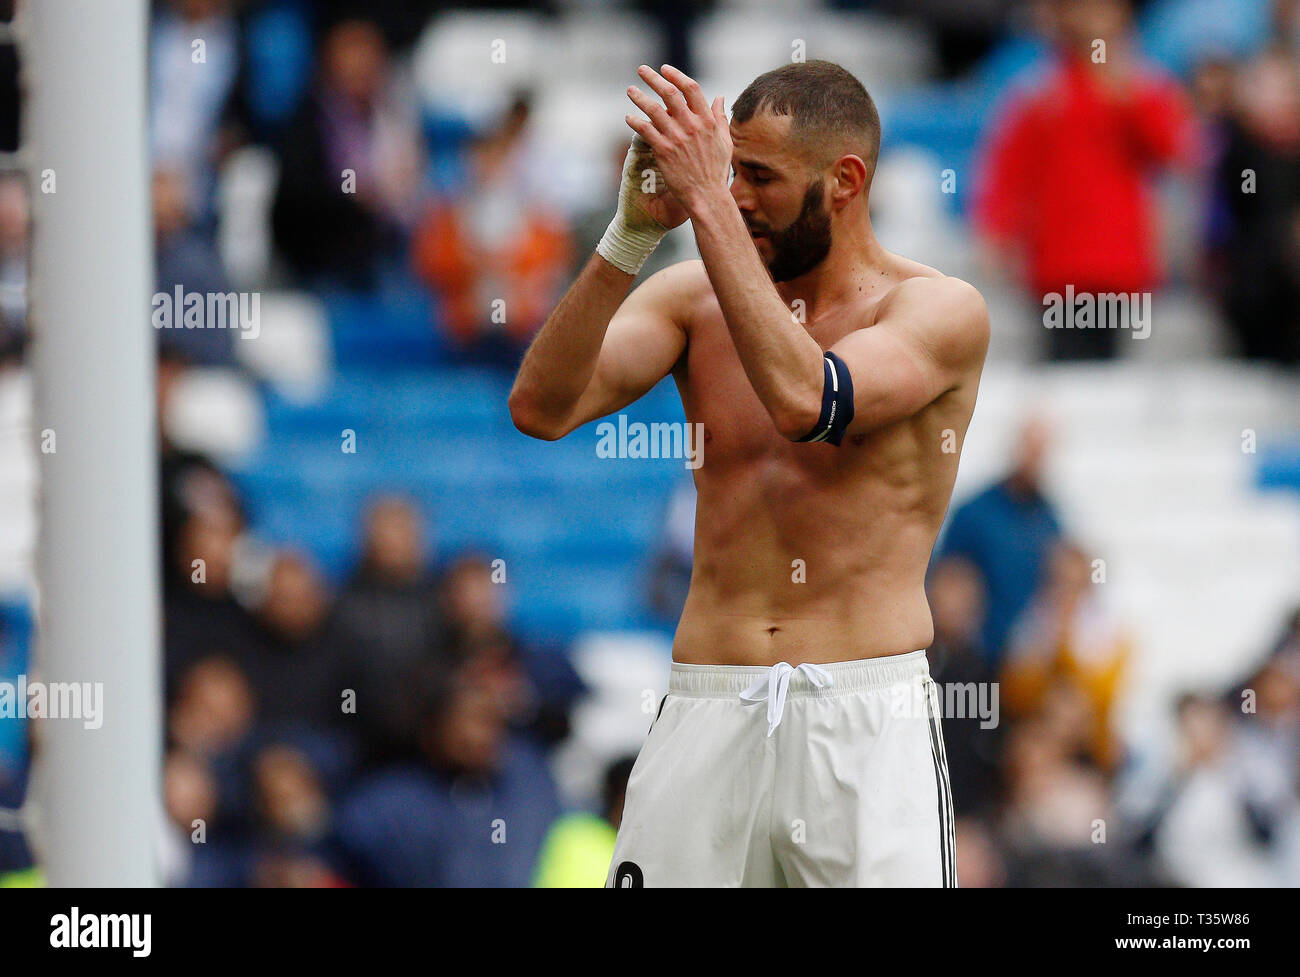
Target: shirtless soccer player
x: 799, y: 743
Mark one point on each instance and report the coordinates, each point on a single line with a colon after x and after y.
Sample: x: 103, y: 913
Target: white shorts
x: 850, y: 788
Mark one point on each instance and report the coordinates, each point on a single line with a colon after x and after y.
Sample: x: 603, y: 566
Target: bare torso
x: 810, y: 552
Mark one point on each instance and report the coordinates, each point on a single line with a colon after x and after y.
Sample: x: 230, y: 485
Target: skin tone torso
x: 804, y: 552
x: 809, y: 552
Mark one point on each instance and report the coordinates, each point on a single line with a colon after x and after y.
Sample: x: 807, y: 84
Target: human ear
x: 850, y: 179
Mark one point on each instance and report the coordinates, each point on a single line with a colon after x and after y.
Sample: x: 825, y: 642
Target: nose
x: 744, y: 200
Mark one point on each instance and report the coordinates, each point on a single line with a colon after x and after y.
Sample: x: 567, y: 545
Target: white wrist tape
x: 625, y: 248
x: 632, y: 235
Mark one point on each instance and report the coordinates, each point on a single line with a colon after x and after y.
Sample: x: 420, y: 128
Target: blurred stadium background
x: 1123, y: 551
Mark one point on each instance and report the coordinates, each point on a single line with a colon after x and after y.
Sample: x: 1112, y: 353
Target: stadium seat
x: 445, y: 437
x: 474, y: 61
x: 18, y: 483
x: 619, y: 668
x: 245, y: 191
x: 215, y: 412
x: 292, y: 348
x: 731, y: 47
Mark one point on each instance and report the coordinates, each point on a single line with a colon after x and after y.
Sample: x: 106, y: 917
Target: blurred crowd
x: 393, y: 731
x: 397, y: 731
x: 1052, y: 794
x: 1075, y: 160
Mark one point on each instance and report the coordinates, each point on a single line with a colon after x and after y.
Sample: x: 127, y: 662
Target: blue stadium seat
x: 1279, y: 466
x: 946, y: 120
x: 279, y: 61
x: 397, y: 327
x: 1180, y: 33
x: 577, y: 530
x: 16, y: 627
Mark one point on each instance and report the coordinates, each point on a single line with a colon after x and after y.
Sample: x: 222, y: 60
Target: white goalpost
x: 86, y: 147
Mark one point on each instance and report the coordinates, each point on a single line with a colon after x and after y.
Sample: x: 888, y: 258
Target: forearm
x: 562, y: 358
x: 561, y: 361
x: 783, y: 363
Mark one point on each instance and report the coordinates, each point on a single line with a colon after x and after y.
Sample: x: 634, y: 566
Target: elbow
x: 795, y: 421
x: 797, y: 411
x: 528, y: 420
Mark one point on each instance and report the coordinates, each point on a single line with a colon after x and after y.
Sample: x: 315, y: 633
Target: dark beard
x: 805, y: 243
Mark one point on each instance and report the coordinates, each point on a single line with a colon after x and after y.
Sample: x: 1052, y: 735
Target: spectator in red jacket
x: 1064, y: 196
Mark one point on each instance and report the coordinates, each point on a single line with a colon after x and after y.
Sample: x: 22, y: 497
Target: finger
x: 690, y: 89
x: 657, y: 113
x: 666, y: 90
x: 720, y: 110
x: 644, y: 129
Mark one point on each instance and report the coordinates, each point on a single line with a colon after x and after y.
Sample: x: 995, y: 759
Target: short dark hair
x: 822, y: 99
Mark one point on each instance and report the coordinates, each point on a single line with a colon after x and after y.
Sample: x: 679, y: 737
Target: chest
x: 717, y: 393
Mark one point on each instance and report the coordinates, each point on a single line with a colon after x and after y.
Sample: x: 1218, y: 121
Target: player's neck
x: 855, y: 264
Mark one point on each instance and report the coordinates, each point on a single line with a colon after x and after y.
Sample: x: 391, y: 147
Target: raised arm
x: 930, y: 334
x: 599, y: 351
x: 601, y: 348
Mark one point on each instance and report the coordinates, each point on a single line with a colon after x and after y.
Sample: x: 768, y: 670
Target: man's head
x: 462, y: 729
x: 296, y: 602
x: 394, y: 545
x: 1029, y: 456
x: 214, y: 709
x: 1079, y: 24
x: 1203, y: 726
x: 956, y: 590
x: 354, y: 61
x: 471, y: 601
x: 806, y: 137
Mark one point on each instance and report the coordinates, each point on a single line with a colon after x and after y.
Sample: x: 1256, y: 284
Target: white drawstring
x: 776, y: 683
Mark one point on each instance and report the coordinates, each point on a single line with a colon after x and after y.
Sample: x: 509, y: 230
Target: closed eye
x: 751, y: 176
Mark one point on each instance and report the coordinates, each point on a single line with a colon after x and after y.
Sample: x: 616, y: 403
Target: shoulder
x: 676, y: 290
x: 1154, y: 76
x: 681, y: 276
x: 947, y: 314
x: 990, y: 495
x: 685, y: 281
x: 935, y: 286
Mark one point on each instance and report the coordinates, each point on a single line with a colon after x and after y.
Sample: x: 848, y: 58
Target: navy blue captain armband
x: 837, y: 403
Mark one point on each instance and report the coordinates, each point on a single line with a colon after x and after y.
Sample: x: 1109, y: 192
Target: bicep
x: 642, y: 343
x: 920, y: 348
x: 892, y: 379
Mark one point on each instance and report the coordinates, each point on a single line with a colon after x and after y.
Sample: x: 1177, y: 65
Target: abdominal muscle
x: 709, y: 634
x: 815, y: 579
